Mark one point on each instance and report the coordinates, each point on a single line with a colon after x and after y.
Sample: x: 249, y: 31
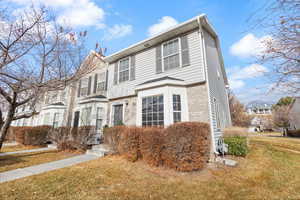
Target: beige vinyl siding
x: 145, y: 68
x: 217, y: 88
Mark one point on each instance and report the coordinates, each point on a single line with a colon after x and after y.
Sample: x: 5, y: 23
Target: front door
x: 76, y: 119
x: 118, y: 115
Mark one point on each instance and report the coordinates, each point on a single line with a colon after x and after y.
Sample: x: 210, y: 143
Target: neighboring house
x: 294, y: 114
x: 259, y: 108
x: 175, y: 76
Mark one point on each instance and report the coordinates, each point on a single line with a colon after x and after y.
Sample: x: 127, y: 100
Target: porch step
x: 99, y: 150
x: 52, y: 146
x: 226, y: 161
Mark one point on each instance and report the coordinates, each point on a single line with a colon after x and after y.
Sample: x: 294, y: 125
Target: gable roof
x: 194, y: 23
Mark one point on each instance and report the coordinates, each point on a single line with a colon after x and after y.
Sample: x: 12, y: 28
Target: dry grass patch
x: 18, y: 147
x: 265, y: 173
x: 16, y: 161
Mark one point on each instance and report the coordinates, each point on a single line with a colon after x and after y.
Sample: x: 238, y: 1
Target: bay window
x: 176, y: 108
x: 153, y: 110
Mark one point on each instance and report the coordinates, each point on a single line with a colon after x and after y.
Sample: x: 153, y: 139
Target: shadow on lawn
x: 17, y: 158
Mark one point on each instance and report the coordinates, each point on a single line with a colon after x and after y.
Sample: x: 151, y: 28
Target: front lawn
x: 16, y: 161
x: 267, y: 172
x: 18, y: 147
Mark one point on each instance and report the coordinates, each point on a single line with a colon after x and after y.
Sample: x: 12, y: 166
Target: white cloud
x: 251, y: 71
x: 237, y: 75
x: 72, y: 12
x: 163, y: 24
x: 236, y: 84
x: 249, y: 46
x: 117, y: 31
x: 83, y: 13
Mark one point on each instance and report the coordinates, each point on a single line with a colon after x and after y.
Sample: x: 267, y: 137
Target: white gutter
x: 201, y: 36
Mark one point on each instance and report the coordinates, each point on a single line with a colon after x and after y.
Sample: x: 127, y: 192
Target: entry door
x: 76, y: 119
x: 118, y: 115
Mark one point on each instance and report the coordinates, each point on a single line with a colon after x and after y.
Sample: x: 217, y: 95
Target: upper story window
x: 124, y: 70
x: 101, y: 82
x: 171, y: 58
x: 84, y: 87
x: 172, y: 54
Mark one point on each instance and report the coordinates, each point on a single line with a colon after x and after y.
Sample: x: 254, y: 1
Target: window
x: 86, y: 116
x: 118, y: 114
x: 55, y: 120
x: 99, y: 118
x: 176, y: 108
x: 84, y: 87
x: 153, y: 111
x: 101, y: 82
x: 124, y: 70
x: 171, y: 55
x: 47, y: 119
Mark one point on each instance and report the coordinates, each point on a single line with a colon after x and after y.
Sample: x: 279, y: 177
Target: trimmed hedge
x: 237, y: 145
x: 186, y: 146
x: 183, y: 146
x: 129, y: 143
x: 293, y: 133
x: 28, y: 135
x: 151, y: 145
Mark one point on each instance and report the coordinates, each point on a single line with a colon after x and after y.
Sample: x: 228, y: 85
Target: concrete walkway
x: 8, y: 144
x: 27, y: 151
x: 38, y: 169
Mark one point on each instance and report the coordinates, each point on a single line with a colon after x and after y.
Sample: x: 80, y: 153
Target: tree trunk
x: 6, y: 124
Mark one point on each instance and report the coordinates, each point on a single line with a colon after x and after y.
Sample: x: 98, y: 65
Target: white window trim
x: 179, y: 53
x: 129, y: 69
x: 99, y: 81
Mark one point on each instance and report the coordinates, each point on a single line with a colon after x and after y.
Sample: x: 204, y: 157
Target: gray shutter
x: 185, y: 57
x: 106, y: 80
x: 89, y: 85
x: 132, y: 68
x: 95, y: 83
x: 78, y: 89
x: 116, y: 74
x: 158, y: 60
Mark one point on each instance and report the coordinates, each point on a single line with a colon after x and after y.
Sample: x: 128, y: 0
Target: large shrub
x: 28, y: 135
x: 151, y: 145
x: 67, y: 138
x: 112, y: 137
x: 293, y: 133
x: 237, y: 145
x: 129, y: 143
x: 186, y: 146
x: 182, y: 146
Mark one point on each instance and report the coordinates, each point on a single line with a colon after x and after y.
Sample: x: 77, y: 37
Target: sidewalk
x: 27, y: 151
x: 38, y: 169
x: 8, y: 144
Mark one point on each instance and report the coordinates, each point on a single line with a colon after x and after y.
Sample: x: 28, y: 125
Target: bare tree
x: 280, y: 19
x: 36, y: 56
x: 237, y: 111
x: 281, y: 117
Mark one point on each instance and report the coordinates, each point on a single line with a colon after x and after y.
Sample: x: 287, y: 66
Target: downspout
x: 201, y: 35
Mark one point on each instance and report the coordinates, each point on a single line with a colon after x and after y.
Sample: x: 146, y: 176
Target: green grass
x: 267, y: 172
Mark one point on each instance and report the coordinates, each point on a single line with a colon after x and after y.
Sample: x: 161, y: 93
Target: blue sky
x: 116, y: 24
